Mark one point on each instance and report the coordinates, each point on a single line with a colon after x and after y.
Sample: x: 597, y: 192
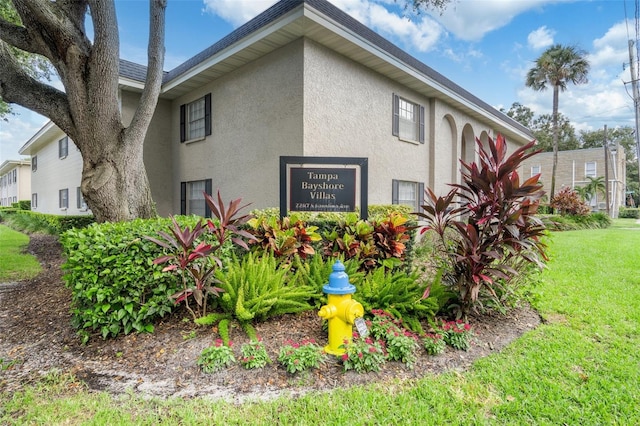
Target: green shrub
x: 30, y: 222
x: 629, y: 213
x: 22, y: 205
x: 115, y: 285
x: 573, y: 222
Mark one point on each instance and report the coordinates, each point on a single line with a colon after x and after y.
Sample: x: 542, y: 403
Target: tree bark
x: 114, y: 180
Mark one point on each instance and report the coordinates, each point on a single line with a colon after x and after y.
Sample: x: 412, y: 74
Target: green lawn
x: 15, y: 265
x: 580, y: 367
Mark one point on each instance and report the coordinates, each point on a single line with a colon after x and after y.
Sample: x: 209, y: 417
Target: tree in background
x: 542, y: 128
x: 556, y: 67
x: 566, y: 133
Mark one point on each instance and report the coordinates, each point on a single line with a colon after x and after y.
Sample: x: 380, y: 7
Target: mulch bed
x: 36, y: 337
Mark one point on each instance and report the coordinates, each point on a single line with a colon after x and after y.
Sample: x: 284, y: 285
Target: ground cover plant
x: 578, y: 367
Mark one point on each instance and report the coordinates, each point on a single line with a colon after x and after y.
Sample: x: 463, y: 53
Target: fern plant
x: 256, y: 288
x: 404, y: 295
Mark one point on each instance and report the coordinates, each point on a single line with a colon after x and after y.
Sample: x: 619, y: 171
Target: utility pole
x: 606, y: 171
x: 636, y: 100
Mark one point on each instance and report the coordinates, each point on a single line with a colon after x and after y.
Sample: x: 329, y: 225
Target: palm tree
x: 556, y: 67
x: 596, y: 185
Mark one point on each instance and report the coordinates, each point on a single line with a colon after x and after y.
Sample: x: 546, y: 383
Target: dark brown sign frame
x: 323, y: 184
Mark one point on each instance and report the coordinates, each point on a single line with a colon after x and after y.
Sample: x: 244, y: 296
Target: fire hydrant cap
x: 338, y: 281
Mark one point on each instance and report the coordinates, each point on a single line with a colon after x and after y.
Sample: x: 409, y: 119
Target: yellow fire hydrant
x: 340, y: 310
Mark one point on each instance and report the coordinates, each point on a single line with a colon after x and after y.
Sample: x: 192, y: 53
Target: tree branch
x: 16, y: 36
x: 17, y: 86
x: 153, y: 82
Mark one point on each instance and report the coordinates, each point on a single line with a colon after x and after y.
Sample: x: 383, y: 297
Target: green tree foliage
x: 35, y: 66
x: 521, y: 113
x: 542, y: 128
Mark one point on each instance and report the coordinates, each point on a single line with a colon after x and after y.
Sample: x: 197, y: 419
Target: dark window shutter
x: 395, y: 124
x: 421, y: 125
x: 78, y: 197
x: 183, y: 197
x: 394, y: 191
x: 420, y: 196
x: 207, y: 189
x: 207, y: 114
x: 183, y: 119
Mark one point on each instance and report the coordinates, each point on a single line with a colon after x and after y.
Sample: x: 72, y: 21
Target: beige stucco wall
x: 256, y: 118
x: 157, y: 150
x: 571, y: 171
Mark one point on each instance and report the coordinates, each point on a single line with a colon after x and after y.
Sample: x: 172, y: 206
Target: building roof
x: 326, y: 24
x: 9, y: 165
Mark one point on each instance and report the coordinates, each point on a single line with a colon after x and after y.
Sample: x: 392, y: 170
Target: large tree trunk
x: 114, y: 180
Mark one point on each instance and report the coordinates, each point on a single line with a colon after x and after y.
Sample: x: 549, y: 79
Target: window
x: 195, y: 119
x: 34, y: 163
x: 10, y: 177
x: 63, y: 197
x: 81, y: 204
x: 535, y: 170
x: 63, y: 147
x: 15, y: 175
x: 408, y: 120
x: 192, y: 197
x: 34, y: 201
x: 590, y: 169
x: 408, y: 193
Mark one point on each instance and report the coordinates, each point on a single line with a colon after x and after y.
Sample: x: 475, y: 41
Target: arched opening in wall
x: 444, y: 157
x: 468, y: 144
x: 484, y: 139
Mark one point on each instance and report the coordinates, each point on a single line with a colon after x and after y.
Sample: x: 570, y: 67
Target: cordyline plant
x: 494, y: 225
x: 195, y: 259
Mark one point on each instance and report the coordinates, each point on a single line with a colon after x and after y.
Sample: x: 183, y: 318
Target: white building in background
x: 56, y: 173
x: 15, y: 182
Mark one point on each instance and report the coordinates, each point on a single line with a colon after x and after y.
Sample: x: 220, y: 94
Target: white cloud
x: 540, y: 38
x: 470, y: 20
x: 237, y: 12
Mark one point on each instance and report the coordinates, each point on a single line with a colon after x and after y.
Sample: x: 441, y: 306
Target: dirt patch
x: 36, y: 337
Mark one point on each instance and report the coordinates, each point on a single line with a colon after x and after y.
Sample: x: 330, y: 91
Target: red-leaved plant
x: 487, y: 224
x: 196, y: 260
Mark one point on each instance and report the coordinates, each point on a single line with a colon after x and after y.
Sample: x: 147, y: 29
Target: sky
x: 484, y: 46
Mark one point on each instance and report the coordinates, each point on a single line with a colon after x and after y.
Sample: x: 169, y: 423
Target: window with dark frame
x: 408, y: 120
x: 34, y: 163
x: 34, y: 200
x: 80, y: 202
x: 195, y: 119
x: 63, y: 147
x: 408, y: 193
x: 192, y: 197
x: 63, y: 198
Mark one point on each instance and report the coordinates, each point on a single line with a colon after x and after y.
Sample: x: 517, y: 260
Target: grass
x: 581, y: 366
x: 14, y: 264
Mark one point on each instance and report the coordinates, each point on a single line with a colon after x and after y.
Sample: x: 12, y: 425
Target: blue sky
x: 485, y: 46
